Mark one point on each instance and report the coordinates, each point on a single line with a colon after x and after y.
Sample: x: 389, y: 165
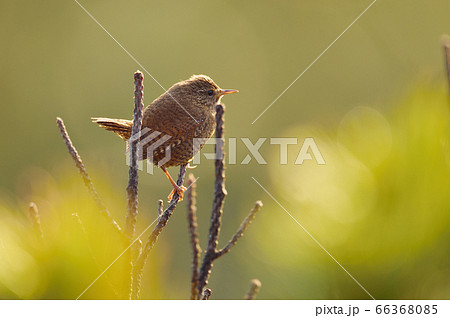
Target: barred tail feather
x: 121, y: 127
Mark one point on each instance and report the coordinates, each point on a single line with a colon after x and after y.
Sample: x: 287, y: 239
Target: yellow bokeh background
x: 376, y: 104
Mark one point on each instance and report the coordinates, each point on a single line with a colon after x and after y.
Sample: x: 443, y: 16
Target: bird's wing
x: 174, y: 121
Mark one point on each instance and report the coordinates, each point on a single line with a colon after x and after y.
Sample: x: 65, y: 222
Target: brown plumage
x: 174, y: 120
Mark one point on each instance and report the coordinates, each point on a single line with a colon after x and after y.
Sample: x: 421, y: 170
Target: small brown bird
x: 172, y: 123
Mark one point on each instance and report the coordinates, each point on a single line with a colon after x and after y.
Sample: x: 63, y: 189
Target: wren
x: 183, y: 114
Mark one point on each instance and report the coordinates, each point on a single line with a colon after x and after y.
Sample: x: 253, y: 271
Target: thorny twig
x: 132, y: 188
x: 255, y: 286
x: 242, y: 228
x: 87, y: 180
x: 216, y: 216
x: 138, y: 266
x: 193, y: 234
x: 219, y: 196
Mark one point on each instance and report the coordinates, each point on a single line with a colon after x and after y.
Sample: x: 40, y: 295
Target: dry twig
x: 193, y: 234
x: 242, y: 228
x: 219, y: 196
x: 132, y: 188
x: 138, y: 266
x: 255, y: 286
x: 87, y: 180
x: 216, y: 216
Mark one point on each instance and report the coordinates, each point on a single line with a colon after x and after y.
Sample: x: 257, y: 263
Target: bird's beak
x: 227, y: 91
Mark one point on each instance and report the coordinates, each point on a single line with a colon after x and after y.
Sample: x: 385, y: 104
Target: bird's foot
x: 178, y: 189
x: 190, y: 167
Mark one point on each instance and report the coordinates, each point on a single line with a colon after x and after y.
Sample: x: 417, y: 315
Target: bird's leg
x: 179, y: 189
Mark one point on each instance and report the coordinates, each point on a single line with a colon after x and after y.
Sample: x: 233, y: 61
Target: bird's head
x: 202, y: 90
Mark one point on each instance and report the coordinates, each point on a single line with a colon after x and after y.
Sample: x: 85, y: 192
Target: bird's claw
x: 180, y: 190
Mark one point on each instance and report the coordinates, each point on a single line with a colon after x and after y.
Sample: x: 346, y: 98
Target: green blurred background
x: 376, y: 104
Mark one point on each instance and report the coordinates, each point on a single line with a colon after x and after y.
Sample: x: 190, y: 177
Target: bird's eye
x: 210, y: 92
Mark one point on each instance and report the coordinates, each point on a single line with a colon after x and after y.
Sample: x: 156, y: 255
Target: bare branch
x: 87, y: 180
x: 193, y: 234
x: 206, y: 294
x: 219, y: 197
x: 132, y: 188
x: 162, y: 222
x: 35, y: 219
x: 242, y: 228
x: 255, y: 286
x: 216, y: 216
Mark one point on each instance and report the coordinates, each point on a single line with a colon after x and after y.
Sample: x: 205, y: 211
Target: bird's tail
x: 121, y: 127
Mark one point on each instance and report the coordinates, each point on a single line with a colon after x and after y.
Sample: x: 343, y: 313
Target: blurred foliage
x: 78, y: 243
x: 379, y: 205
